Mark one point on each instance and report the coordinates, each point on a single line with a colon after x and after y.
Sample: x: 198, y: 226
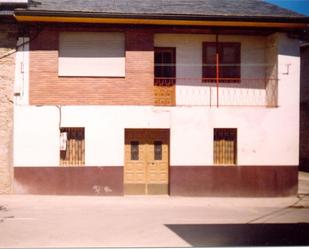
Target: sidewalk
x: 84, y: 221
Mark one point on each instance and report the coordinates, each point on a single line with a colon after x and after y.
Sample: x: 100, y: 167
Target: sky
x: 300, y: 6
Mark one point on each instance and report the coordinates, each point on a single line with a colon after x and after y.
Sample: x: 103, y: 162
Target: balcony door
x: 165, y: 76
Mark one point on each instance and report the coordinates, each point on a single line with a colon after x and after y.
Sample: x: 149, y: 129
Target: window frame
x: 236, y: 67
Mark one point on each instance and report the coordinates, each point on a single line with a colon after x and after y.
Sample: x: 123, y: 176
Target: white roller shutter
x: 91, y: 54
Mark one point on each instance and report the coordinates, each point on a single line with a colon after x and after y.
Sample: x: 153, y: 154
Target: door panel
x: 150, y: 170
x: 135, y: 170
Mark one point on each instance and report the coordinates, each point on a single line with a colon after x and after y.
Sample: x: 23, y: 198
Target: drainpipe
x: 60, y: 116
x: 217, y: 67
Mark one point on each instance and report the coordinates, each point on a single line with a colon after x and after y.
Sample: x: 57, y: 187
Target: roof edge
x: 283, y: 19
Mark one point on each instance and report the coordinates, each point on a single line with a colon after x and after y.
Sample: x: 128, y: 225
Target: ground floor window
x: 72, y: 146
x: 225, y: 146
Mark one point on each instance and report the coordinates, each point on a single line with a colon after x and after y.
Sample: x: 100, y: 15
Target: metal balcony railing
x: 210, y: 92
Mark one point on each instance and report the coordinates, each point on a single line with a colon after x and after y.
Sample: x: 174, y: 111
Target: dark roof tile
x: 241, y: 8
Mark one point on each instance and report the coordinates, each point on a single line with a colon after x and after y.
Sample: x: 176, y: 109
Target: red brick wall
x: 136, y: 88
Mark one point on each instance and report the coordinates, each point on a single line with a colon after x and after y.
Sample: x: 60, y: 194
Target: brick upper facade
x: 136, y: 88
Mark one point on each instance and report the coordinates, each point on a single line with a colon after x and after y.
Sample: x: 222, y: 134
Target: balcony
x: 253, y: 92
x: 215, y: 71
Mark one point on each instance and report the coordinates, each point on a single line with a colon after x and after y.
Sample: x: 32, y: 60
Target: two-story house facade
x: 192, y: 98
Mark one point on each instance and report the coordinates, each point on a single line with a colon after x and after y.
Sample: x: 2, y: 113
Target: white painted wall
x: 266, y: 136
x: 104, y: 129
x: 37, y: 133
x: 36, y: 136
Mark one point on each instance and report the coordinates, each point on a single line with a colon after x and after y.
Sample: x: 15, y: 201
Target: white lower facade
x: 265, y: 136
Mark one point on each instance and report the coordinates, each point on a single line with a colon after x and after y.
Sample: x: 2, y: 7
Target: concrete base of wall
x: 251, y: 181
x: 69, y: 180
x: 245, y: 181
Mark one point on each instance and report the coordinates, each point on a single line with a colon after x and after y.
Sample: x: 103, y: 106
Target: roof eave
x: 78, y: 16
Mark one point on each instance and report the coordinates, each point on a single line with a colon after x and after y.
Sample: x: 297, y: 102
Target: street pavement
x: 32, y: 221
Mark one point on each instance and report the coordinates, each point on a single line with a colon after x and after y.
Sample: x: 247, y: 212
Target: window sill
x: 78, y: 76
x: 221, y: 81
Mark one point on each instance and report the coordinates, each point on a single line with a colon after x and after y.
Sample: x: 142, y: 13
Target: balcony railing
x: 209, y: 92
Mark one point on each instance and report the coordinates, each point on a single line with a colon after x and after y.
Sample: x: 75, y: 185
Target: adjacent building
x: 8, y: 37
x: 304, y: 108
x: 191, y: 98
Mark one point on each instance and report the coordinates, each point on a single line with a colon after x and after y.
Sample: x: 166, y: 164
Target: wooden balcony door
x: 165, y: 76
x: 146, y: 161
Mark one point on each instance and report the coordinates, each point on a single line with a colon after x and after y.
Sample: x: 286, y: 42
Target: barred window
x: 72, y: 146
x: 225, y: 146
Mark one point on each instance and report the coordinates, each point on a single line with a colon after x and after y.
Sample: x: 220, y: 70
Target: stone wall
x: 7, y: 67
x: 304, y: 109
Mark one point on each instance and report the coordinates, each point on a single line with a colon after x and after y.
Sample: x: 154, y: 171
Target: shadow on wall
x: 304, y: 110
x: 304, y: 164
x: 201, y: 235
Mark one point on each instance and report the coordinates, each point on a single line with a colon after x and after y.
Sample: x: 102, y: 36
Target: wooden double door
x: 146, y: 166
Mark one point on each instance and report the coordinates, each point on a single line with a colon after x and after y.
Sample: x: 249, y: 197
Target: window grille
x: 225, y: 146
x: 72, y: 151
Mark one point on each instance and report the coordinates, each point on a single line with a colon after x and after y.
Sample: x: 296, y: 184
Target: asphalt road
x: 160, y: 221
